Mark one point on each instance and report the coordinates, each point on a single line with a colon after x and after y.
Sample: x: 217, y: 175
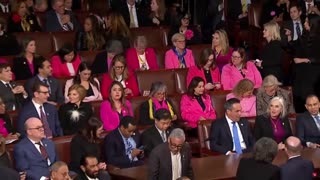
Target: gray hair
x: 177, y: 133
x: 228, y: 105
x: 157, y: 86
x: 141, y: 42
x: 265, y: 149
x: 57, y: 165
x: 270, y: 80
x: 114, y: 46
x: 280, y: 99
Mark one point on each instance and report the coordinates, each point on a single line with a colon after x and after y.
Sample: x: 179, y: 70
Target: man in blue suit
x: 34, y: 153
x: 296, y: 167
x: 39, y: 108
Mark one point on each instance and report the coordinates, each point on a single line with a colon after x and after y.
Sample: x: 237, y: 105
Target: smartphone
x: 141, y: 148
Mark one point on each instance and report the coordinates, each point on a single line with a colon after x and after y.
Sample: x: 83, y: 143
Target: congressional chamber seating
x: 88, y: 56
x: 204, y: 128
x: 61, y: 38
x: 197, y: 49
x: 156, y: 36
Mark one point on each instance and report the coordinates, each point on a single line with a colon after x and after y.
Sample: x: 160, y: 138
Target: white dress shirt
x: 242, y: 143
x: 37, y: 106
x: 3, y: 7
x: 134, y: 12
x: 295, y: 34
x: 176, y: 165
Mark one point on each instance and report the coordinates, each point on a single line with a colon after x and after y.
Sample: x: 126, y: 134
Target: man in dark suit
x: 296, y: 167
x: 13, y: 95
x: 161, y: 164
x: 38, y: 107
x: 90, y: 169
x: 122, y: 145
x: 59, y: 19
x: 5, y: 6
x: 308, y: 123
x: 34, y: 153
x: 158, y: 133
x: 310, y: 8
x: 231, y: 134
x: 43, y: 71
x: 9, y: 174
x: 238, y: 10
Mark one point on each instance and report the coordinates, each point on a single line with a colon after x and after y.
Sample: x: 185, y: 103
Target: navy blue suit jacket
x: 55, y: 89
x: 53, y: 24
x: 115, y: 152
x: 29, y: 159
x: 221, y: 138
x: 297, y: 168
x: 307, y: 129
x: 29, y: 110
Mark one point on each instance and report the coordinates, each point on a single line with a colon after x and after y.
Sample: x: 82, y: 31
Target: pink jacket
x: 110, y: 118
x: 195, y: 71
x: 172, y: 61
x: 133, y: 61
x: 191, y: 110
x: 230, y: 76
x: 248, y: 105
x: 96, y: 97
x: 60, y: 69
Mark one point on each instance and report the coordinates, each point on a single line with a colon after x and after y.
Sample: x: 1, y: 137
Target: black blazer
x: 53, y: 24
x: 115, y: 152
x: 250, y: 169
x: 151, y: 138
x: 160, y: 164
x: 297, y: 168
x: 304, y: 9
x: 263, y: 127
x: 9, y: 173
x: 307, y: 129
x: 9, y: 98
x: 8, y: 45
x: 234, y: 9
x: 16, y: 26
x: 100, y: 63
x: 221, y: 138
x: 124, y: 11
x: 21, y: 67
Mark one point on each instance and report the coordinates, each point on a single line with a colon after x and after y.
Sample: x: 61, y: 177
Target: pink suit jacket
x: 172, y: 61
x: 133, y: 61
x: 110, y: 118
x: 248, y: 105
x: 195, y: 71
x: 230, y: 76
x: 60, y: 69
x: 191, y: 110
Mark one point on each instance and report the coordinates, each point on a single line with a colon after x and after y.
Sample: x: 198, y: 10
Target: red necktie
x: 43, y: 117
x: 43, y: 151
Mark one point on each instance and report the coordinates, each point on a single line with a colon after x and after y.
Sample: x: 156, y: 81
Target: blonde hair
x: 274, y: 30
x: 177, y: 36
x: 270, y: 80
x: 283, y: 112
x: 161, y: 10
x: 224, y: 41
x: 80, y: 89
x: 242, y: 87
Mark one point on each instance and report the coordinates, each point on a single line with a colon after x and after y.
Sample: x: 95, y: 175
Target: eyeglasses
x: 44, y: 92
x: 40, y: 128
x: 118, y: 67
x: 176, y: 146
x: 236, y: 57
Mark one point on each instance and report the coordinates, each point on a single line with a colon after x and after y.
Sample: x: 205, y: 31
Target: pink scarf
x: 3, y: 129
x: 158, y: 105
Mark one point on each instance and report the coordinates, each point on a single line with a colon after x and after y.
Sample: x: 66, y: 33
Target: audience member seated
x: 40, y: 6
x: 231, y: 134
x: 196, y: 105
x: 260, y: 165
x: 34, y: 154
x: 12, y: 94
x: 244, y: 92
x: 59, y: 171
x: 116, y: 28
x: 157, y: 100
x: 310, y: 9
x: 276, y: 11
x: 269, y: 89
x: 272, y: 55
x: 6, y: 128
x: 238, y: 12
x: 102, y: 61
x: 158, y: 133
x: 86, y: 141
x: 221, y: 49
x: 21, y: 20
x: 4, y: 156
x: 5, y: 6
x: 74, y: 115
x: 30, y: 5
x: 65, y: 62
x: 23, y: 64
x: 90, y: 83
x: 179, y: 56
x: 8, y: 43
x: 119, y: 72
x: 192, y: 35
x: 274, y: 123
x: 141, y: 57
x: 59, y: 19
x: 308, y: 123
x: 38, y: 107
x: 43, y: 71
x: 296, y: 167
x: 115, y: 107
x: 91, y: 38
x: 172, y: 159
x: 90, y: 169
x: 239, y: 68
x: 158, y: 16
x: 206, y: 69
x: 122, y: 145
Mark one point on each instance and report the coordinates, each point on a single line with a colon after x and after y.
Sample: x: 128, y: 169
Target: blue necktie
x: 298, y: 29
x: 129, y: 147
x: 236, y: 139
x: 318, y: 120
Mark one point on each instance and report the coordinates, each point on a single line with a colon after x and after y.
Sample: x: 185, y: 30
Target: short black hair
x: 36, y: 86
x: 4, y: 66
x: 162, y: 114
x: 228, y: 105
x: 126, y: 120
x: 66, y: 49
x: 38, y: 63
x: 83, y: 159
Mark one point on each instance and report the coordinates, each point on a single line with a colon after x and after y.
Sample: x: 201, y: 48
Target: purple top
x: 278, y: 130
x: 109, y: 63
x: 31, y: 67
x: 223, y: 59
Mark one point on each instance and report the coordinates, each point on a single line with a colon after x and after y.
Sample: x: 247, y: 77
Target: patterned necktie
x: 129, y: 147
x: 43, y: 117
x: 298, y: 29
x: 318, y: 120
x: 43, y: 151
x: 132, y: 25
x: 163, y: 135
x: 47, y: 83
x: 236, y: 139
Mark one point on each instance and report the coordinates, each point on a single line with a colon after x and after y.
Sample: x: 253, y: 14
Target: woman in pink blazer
x: 115, y: 107
x: 244, y: 92
x: 221, y: 48
x: 239, y: 69
x: 119, y: 72
x: 66, y: 62
x: 179, y: 56
x: 140, y: 57
x: 196, y: 106
x: 206, y: 69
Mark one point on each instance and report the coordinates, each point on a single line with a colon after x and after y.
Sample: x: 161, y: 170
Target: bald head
x: 31, y: 121
x: 293, y: 146
x: 34, y: 129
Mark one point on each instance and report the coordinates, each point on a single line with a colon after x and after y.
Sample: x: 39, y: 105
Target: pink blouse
x: 248, y: 105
